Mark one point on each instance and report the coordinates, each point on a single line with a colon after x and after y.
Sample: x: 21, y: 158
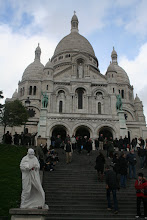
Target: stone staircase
x: 73, y: 191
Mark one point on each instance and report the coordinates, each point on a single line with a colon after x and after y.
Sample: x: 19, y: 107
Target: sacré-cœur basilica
x: 69, y: 95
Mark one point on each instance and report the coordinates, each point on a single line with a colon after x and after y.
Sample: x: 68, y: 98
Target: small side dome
x: 15, y: 95
x: 111, y: 68
x: 137, y: 99
x: 49, y: 65
x: 35, y: 69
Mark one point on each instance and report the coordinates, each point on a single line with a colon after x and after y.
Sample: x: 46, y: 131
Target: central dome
x: 74, y: 42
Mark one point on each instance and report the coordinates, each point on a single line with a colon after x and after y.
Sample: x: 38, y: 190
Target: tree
x: 1, y: 97
x: 13, y: 114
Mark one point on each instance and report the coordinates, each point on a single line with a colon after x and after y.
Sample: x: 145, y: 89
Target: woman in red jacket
x: 140, y: 185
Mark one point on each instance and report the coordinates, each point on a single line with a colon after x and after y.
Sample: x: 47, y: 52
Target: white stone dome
x: 74, y: 42
x: 49, y: 65
x: 35, y: 69
x: 122, y: 76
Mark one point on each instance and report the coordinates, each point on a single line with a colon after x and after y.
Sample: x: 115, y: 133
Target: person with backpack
x: 131, y: 158
x: 112, y: 185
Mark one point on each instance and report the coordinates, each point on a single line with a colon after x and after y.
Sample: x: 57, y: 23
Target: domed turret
x: 74, y: 42
x: 49, y: 65
x: 111, y: 68
x: 121, y: 75
x: 15, y: 95
x: 74, y: 23
x: 34, y: 70
x: 114, y: 56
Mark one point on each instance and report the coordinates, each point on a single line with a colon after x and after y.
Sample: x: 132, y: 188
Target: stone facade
x: 81, y: 100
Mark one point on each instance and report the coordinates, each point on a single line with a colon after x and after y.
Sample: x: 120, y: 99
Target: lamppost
x: 27, y: 104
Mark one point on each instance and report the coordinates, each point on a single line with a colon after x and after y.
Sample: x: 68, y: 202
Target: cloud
x: 138, y: 22
x: 17, y: 52
x: 137, y: 72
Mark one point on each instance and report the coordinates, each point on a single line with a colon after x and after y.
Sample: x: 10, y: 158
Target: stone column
x: 122, y: 124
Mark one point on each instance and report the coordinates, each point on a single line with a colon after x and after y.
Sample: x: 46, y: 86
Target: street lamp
x: 27, y: 104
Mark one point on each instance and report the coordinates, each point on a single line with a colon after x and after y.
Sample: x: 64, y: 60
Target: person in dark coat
x: 123, y: 165
x: 131, y: 158
x: 120, y: 143
x: 116, y: 165
x: 141, y: 154
x: 111, y: 186
x: 100, y: 161
x: 58, y: 141
x: 89, y: 146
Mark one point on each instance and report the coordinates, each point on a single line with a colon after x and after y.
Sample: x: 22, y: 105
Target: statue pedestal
x: 31, y: 214
x: 42, y: 123
x: 122, y: 124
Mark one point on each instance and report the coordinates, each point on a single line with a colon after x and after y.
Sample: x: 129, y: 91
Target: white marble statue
x: 32, y: 195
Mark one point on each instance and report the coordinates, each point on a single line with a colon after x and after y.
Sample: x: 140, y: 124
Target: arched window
x: 30, y: 90
x: 23, y: 91
x: 99, y: 108
x: 34, y: 90
x: 60, y: 107
x: 46, y: 87
x: 122, y: 94
x: 113, y: 90
x: 80, y: 99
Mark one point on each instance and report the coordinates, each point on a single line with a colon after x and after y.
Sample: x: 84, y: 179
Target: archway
x: 59, y: 130
x: 82, y: 131
x: 106, y: 131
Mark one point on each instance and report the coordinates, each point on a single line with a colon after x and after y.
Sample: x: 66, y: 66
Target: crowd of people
x: 24, y: 138
x: 48, y: 158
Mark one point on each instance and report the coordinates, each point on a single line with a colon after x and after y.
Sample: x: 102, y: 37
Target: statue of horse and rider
x: 44, y: 100
x: 118, y: 102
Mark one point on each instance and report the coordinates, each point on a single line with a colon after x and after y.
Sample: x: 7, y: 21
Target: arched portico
x: 107, y: 131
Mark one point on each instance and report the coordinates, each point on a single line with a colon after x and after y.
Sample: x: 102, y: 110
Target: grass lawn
x: 10, y: 177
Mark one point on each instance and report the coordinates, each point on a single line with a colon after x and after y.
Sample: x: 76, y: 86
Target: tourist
x: 145, y: 159
x: 123, y: 165
x: 73, y: 142
x: 125, y: 142
x: 116, y: 146
x: 16, y: 138
x: 110, y: 148
x: 40, y: 155
x: 96, y: 143
x: 101, y: 142
x: 79, y: 144
x: 32, y: 194
x: 131, y: 158
x: 120, y: 144
x: 89, y: 146
x: 100, y: 161
x: 53, y: 141
x: 116, y: 164
x: 141, y: 187
x: 105, y: 143
x: 141, y: 154
x: 68, y: 150
x: 134, y: 143
x: 58, y: 141
x: 111, y: 186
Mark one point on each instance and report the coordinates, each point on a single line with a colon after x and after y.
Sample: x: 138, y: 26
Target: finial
x: 74, y: 12
x: 38, y: 44
x: 113, y: 47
